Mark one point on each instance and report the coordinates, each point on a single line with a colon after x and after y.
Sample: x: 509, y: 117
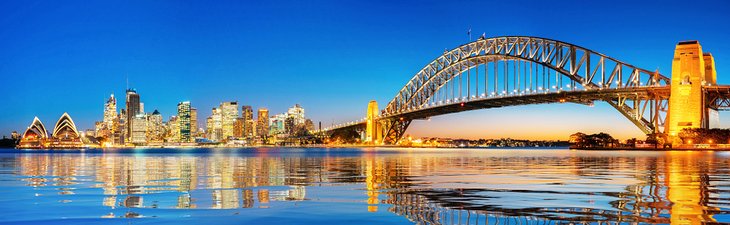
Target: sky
x: 332, y: 57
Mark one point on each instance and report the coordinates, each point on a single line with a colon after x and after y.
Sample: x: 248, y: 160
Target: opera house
x: 64, y: 135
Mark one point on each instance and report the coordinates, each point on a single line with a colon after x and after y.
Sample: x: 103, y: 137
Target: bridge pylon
x: 691, y: 71
x: 373, y: 133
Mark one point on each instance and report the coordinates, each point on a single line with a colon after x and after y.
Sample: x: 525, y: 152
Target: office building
x: 229, y: 113
x: 183, y: 119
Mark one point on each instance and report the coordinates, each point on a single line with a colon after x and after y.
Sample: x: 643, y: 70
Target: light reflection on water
x: 365, y: 186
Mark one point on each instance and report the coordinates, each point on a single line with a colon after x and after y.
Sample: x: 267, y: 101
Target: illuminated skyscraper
x: 110, y: 114
x: 208, y: 127
x: 238, y: 128
x: 229, y: 113
x: 248, y: 124
x: 262, y: 125
x: 183, y: 118
x: 133, y: 108
x: 193, y: 122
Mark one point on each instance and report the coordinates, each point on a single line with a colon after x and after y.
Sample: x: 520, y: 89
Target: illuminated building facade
x: 183, y: 119
x: 296, y: 112
x: 139, y: 129
x: 133, y: 108
x: 248, y: 123
x: 238, y: 127
x: 262, y: 124
x: 173, y: 130
x: 111, y: 120
x: 193, y: 122
x: 229, y: 113
x: 215, y: 125
x: 155, y: 127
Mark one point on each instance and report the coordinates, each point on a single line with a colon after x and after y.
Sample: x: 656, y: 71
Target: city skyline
x: 333, y: 69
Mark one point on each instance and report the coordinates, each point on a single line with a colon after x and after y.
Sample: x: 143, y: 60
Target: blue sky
x: 331, y: 57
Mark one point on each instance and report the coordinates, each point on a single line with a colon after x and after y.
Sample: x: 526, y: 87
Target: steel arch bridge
x: 518, y: 70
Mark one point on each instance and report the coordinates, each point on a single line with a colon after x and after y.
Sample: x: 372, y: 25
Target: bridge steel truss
x: 518, y: 69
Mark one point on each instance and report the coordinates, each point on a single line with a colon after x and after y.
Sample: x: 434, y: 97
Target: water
x: 362, y: 186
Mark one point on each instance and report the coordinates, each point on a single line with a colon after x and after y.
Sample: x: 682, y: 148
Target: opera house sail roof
x: 65, y: 128
x: 35, y: 136
x: 65, y: 135
x: 35, y: 130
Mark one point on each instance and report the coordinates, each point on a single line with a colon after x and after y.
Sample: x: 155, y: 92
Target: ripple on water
x: 365, y: 186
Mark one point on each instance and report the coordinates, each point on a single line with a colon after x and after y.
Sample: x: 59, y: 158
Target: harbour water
x: 362, y: 186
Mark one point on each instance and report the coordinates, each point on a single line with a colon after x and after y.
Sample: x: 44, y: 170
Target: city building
x: 155, y: 127
x: 248, y: 123
x: 277, y: 124
x: 173, y: 130
x: 193, y: 123
x: 214, y: 126
x: 133, y: 108
x: 296, y: 124
x: 238, y: 127
x: 262, y: 124
x: 183, y: 118
x: 296, y: 112
x: 111, y: 120
x: 101, y: 129
x: 139, y: 130
x: 121, y: 138
x: 229, y: 113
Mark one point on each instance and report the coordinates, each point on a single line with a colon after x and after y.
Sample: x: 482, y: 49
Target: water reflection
x: 446, y: 187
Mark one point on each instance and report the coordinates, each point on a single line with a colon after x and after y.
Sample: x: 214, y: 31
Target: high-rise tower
x: 229, y: 113
x: 183, y: 119
x: 133, y: 108
x: 248, y: 124
x: 110, y: 113
x: 193, y: 122
x: 262, y: 125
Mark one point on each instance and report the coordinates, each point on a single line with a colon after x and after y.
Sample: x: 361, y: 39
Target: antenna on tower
x: 127, y: 76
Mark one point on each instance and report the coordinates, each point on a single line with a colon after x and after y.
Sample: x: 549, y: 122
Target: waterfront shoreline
x: 653, y: 149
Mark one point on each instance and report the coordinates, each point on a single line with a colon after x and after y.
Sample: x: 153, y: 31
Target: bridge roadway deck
x: 579, y: 96
x: 720, y: 95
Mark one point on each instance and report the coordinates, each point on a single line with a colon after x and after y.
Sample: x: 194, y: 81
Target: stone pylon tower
x: 372, y: 129
x: 691, y: 70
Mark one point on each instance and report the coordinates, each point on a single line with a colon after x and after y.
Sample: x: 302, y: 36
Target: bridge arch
x: 628, y: 88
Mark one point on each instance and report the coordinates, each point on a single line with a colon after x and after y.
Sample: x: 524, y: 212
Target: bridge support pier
x: 691, y: 70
